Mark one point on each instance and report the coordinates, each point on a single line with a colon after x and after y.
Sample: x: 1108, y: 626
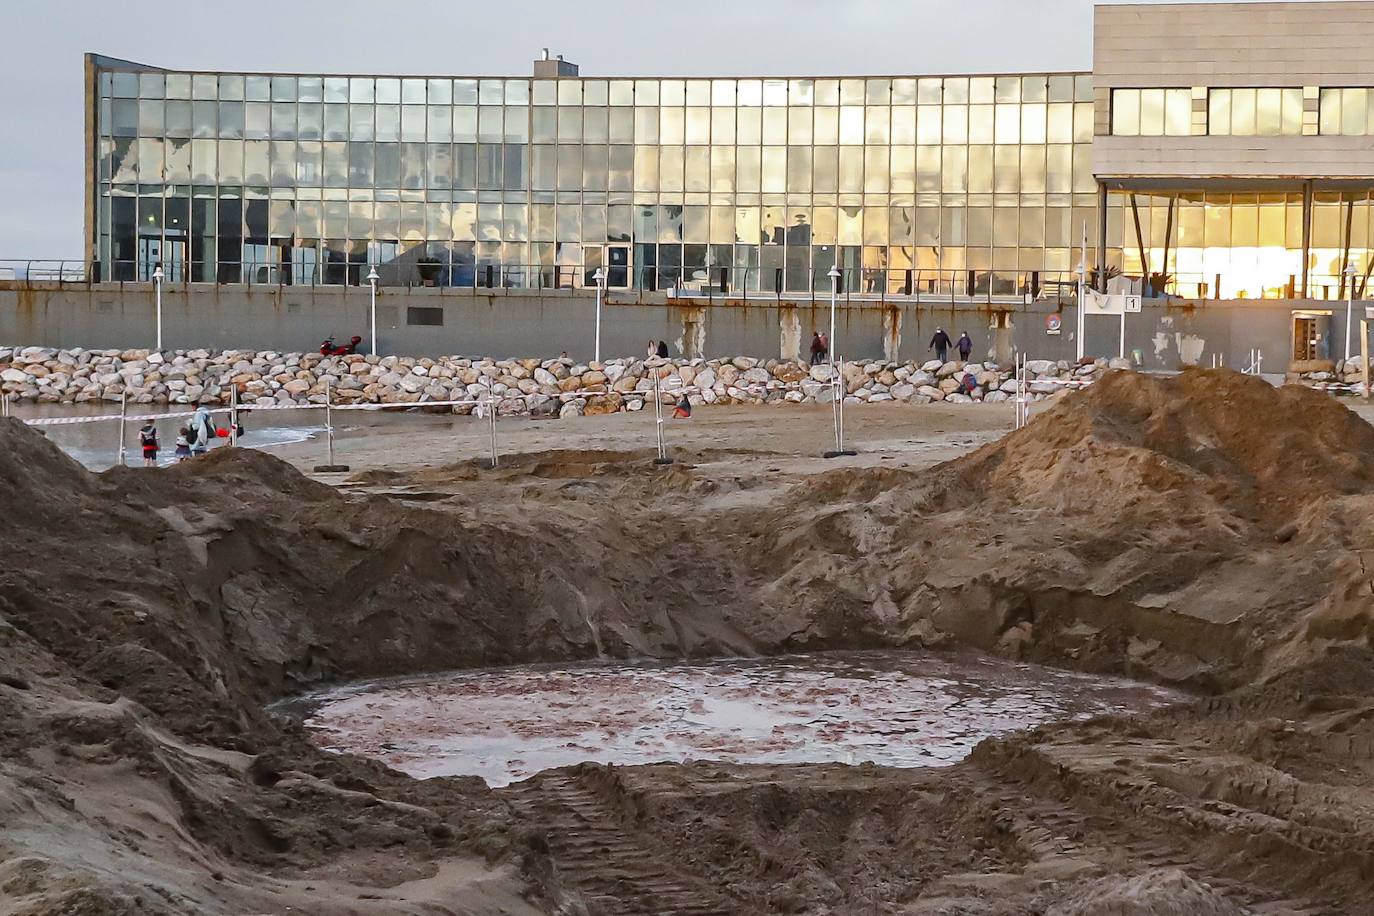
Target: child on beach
x: 147, y: 437
x: 183, y: 444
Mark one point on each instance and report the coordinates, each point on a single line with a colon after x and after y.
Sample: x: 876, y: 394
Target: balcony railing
x: 697, y: 283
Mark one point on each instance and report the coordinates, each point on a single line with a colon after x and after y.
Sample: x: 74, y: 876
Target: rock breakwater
x: 548, y: 387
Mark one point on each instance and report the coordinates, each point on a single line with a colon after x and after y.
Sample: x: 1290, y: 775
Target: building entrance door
x: 1311, y: 335
x: 170, y: 253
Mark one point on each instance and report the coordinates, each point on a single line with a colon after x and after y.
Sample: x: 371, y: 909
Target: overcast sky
x: 40, y: 72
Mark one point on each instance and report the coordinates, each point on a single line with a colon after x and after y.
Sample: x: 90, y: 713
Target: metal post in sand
x: 1364, y: 357
x: 233, y: 414
x: 658, y: 420
x: 837, y: 380
x: 330, y: 467
x: 491, y: 423
x: 123, y: 419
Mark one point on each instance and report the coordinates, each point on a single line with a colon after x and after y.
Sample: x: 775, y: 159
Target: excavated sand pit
x: 897, y: 709
x: 1206, y: 532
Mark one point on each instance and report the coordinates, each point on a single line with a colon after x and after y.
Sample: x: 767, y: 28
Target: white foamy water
x: 891, y: 708
x: 96, y: 445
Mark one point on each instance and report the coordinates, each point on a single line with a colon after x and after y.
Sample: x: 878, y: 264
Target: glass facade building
x: 949, y: 186
x: 958, y: 186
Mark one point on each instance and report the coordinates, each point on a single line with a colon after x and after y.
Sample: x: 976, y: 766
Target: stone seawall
x: 541, y: 387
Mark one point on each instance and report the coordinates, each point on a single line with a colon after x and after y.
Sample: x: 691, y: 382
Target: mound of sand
x: 1204, y: 530
x: 1134, y: 444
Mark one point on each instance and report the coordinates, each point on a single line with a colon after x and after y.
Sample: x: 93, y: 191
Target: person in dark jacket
x: 817, y: 349
x: 965, y: 347
x: 940, y: 344
x: 662, y: 350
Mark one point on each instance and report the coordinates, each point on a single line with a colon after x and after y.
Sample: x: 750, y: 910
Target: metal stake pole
x: 233, y: 414
x: 329, y: 416
x: 658, y: 420
x: 835, y: 405
x: 840, y: 442
x: 123, y: 417
x: 1364, y: 357
x: 491, y: 424
x: 331, y: 467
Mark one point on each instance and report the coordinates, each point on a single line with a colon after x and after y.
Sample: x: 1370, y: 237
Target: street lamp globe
x: 157, y: 274
x: 599, y: 277
x: 372, y: 274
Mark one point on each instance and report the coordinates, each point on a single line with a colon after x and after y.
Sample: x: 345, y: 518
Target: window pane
x: 1243, y: 112
x: 1152, y: 112
x: 1178, y: 112
x: 1219, y: 112
x: 1331, y: 111
x: 1126, y: 112
x: 1354, y: 112
x: 1268, y: 114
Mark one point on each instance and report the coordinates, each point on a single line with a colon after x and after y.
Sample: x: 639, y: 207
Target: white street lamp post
x: 834, y: 294
x: 157, y: 286
x: 372, y: 278
x: 835, y: 379
x: 600, y: 278
x: 1082, y: 324
x: 1349, y: 305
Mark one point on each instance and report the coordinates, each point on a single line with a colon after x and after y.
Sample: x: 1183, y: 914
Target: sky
x: 41, y: 98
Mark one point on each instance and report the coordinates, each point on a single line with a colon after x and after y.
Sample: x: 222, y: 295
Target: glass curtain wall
x: 1248, y: 246
x: 945, y: 185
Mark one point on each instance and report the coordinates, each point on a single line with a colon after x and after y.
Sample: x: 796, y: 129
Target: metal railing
x: 42, y: 270
x: 679, y: 282
x: 687, y: 282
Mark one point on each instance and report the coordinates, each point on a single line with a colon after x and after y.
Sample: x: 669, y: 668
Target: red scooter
x: 330, y: 348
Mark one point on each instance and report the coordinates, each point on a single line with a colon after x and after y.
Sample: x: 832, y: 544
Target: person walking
x: 817, y: 349
x: 202, y: 430
x: 965, y: 347
x: 662, y: 349
x: 183, y: 450
x: 940, y: 344
x: 147, y: 438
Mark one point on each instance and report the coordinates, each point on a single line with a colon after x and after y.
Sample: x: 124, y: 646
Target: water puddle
x: 898, y: 709
x: 96, y: 444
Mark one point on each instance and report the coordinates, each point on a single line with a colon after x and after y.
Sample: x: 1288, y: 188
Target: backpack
x: 192, y: 434
x: 147, y: 438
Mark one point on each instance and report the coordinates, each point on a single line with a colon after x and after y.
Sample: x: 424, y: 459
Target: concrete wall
x: 1231, y: 45
x: 545, y: 324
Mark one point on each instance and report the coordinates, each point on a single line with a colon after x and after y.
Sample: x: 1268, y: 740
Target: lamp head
x: 157, y: 273
x: 599, y: 276
x: 834, y: 272
x: 372, y: 274
x: 1350, y: 270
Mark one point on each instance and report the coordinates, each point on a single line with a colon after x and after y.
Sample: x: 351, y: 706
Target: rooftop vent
x: 546, y: 67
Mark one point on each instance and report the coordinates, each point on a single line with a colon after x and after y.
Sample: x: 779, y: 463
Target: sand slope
x: 1206, y: 530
